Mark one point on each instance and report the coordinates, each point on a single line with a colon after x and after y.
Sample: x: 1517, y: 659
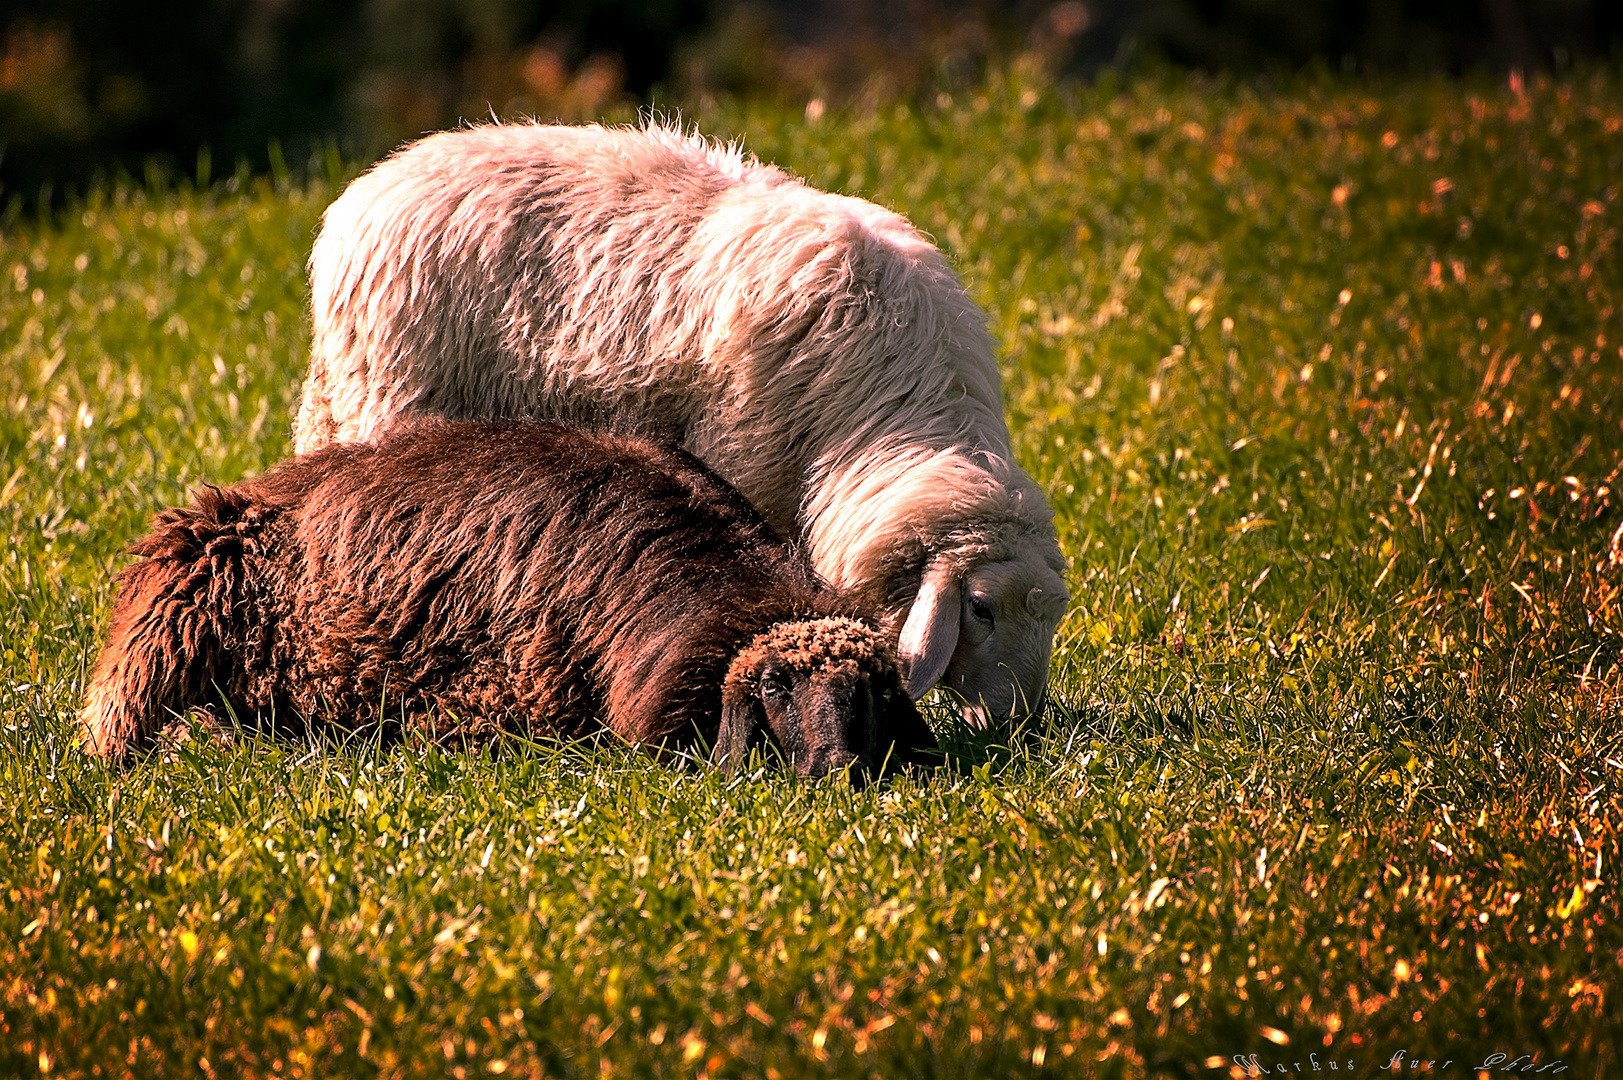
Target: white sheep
x: 814, y: 349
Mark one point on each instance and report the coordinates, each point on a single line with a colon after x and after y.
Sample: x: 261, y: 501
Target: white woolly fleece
x: 814, y: 349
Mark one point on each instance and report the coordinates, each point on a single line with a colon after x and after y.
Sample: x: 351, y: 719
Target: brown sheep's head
x: 827, y: 695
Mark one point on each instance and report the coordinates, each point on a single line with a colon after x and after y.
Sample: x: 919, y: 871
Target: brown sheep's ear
x: 930, y: 634
x: 743, y: 727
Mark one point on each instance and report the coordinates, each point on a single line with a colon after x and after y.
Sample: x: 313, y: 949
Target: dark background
x: 93, y: 88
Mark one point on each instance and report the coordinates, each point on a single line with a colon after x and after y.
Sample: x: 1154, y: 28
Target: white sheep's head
x: 986, y: 632
x: 826, y: 694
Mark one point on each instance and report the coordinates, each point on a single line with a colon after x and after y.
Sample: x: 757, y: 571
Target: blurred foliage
x: 846, y: 51
x: 1438, y: 36
x: 1324, y: 380
x: 92, y: 88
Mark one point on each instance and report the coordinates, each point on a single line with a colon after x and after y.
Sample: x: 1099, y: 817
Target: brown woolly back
x: 454, y: 577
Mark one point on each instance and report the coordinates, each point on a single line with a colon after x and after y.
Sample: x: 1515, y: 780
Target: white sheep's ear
x: 930, y: 635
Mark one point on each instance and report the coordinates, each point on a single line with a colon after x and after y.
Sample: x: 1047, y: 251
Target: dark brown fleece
x: 455, y: 577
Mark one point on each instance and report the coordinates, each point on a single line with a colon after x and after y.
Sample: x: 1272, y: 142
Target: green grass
x: 1325, y: 381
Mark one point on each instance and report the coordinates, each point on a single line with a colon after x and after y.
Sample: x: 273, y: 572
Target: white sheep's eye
x: 980, y: 609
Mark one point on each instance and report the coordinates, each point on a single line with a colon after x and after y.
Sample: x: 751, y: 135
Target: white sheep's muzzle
x: 987, y: 636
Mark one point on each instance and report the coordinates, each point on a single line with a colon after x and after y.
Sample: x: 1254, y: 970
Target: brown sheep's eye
x: 980, y: 609
x: 774, y: 684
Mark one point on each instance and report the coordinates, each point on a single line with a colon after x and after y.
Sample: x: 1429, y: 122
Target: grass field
x: 1325, y: 381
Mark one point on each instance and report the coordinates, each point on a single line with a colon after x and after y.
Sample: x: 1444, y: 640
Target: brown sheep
x: 460, y: 578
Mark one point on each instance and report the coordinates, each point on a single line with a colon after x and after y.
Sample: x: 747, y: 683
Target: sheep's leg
x: 168, y: 645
